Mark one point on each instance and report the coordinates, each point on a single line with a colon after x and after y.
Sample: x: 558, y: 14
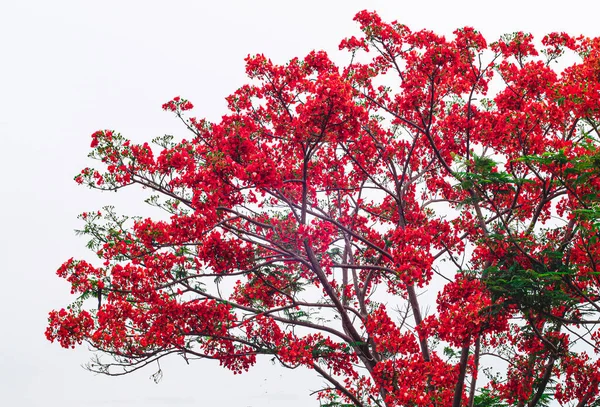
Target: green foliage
x: 483, y: 173
x: 486, y: 399
x: 536, y: 288
x: 574, y: 171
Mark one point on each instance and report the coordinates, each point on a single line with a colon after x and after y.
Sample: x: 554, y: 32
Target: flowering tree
x: 304, y: 225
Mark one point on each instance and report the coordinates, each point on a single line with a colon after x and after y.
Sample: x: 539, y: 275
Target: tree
x: 305, y: 223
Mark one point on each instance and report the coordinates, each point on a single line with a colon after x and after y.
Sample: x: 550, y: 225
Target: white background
x: 68, y: 68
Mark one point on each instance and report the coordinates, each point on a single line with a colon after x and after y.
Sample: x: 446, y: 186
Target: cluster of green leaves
x: 538, y: 289
x: 485, y: 175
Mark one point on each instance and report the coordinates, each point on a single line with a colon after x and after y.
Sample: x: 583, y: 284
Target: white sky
x: 68, y: 68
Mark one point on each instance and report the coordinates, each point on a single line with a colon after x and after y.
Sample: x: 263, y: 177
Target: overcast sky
x: 68, y: 68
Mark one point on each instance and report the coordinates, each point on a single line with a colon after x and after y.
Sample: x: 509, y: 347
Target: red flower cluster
x: 177, y: 105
